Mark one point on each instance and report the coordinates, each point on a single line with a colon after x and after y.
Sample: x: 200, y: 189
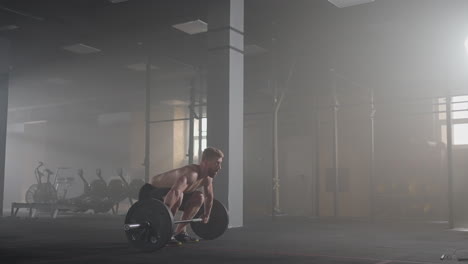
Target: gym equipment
x: 149, y: 224
x: 134, y: 188
x: 98, y: 187
x: 216, y: 226
x: 131, y: 189
x: 41, y: 192
x: 116, y: 190
x: 94, y: 197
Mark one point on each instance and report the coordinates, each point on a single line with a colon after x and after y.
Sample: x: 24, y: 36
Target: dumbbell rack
x: 52, y: 207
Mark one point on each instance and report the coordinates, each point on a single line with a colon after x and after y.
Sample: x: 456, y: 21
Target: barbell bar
x: 146, y: 224
x: 149, y: 224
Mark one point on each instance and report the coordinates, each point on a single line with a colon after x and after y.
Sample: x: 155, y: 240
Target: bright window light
x: 443, y: 133
x: 460, y: 103
x: 466, y: 45
x: 197, y: 137
x: 459, y: 119
x: 459, y: 107
x: 460, y: 134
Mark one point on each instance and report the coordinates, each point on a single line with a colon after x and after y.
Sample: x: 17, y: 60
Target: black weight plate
x: 216, y: 226
x: 160, y: 222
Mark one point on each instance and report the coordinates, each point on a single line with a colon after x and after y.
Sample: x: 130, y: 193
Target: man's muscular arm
x: 209, y: 196
x: 176, y: 192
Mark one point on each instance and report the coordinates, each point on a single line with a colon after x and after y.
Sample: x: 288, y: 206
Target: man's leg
x: 176, y: 206
x: 174, y: 210
x: 191, y: 208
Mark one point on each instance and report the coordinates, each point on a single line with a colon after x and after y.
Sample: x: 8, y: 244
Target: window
x: 197, y: 137
x: 459, y: 120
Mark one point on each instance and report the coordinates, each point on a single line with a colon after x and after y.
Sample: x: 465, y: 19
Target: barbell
x: 149, y: 224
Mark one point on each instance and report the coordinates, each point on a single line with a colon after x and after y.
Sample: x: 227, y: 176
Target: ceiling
x: 45, y: 77
x: 388, y: 45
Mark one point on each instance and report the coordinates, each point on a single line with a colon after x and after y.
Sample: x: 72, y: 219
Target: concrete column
x: 448, y: 116
x: 4, y: 74
x: 225, y: 100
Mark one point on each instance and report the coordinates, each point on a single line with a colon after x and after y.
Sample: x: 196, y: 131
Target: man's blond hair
x: 211, y: 153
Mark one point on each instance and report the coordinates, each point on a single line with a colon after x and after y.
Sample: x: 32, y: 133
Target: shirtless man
x: 178, y: 189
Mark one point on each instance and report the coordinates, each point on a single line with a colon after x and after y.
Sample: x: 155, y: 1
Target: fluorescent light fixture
x: 141, y: 67
x: 35, y: 122
x: 8, y: 27
x: 348, y: 3
x: 175, y: 102
x: 117, y: 1
x: 81, y: 49
x: 192, y: 27
x: 252, y: 49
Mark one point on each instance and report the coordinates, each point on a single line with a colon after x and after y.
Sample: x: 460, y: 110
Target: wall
x: 107, y: 143
x: 257, y: 166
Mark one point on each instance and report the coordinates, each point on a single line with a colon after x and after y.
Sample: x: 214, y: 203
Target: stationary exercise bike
x: 41, y: 192
x: 94, y: 195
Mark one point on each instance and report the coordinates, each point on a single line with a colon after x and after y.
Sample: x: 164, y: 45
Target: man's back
x: 169, y: 178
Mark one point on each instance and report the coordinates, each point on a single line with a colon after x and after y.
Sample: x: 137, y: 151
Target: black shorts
x: 148, y: 191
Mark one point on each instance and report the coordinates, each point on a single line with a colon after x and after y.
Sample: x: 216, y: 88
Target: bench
x: 52, y: 207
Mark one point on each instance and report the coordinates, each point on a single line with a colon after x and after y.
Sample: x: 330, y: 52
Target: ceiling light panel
x: 348, y: 3
x: 192, y: 27
x: 117, y: 1
x: 8, y: 27
x: 81, y: 49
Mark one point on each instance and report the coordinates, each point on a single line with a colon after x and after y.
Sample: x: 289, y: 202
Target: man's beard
x: 212, y: 173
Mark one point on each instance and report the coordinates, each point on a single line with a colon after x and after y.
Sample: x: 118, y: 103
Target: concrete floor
x: 100, y: 239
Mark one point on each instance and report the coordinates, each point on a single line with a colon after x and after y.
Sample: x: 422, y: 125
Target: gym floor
x: 100, y: 239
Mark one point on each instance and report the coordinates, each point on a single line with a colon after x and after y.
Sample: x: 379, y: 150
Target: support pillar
x: 317, y: 156
x: 225, y: 100
x: 372, y: 158
x: 448, y: 116
x: 4, y: 75
x: 191, y: 122
x: 147, y: 118
x: 336, y: 107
